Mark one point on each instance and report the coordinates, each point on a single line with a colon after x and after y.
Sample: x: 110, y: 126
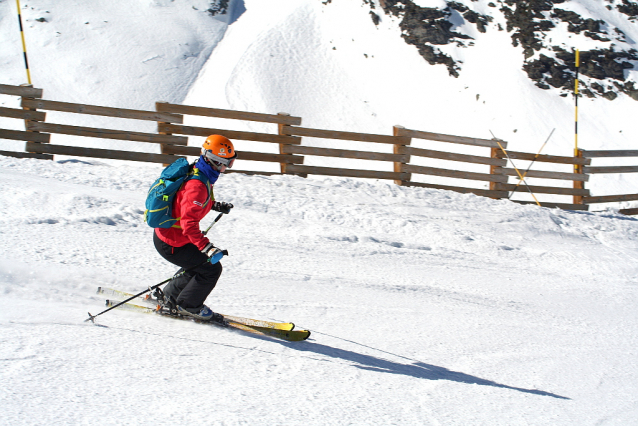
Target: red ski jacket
x: 190, y: 205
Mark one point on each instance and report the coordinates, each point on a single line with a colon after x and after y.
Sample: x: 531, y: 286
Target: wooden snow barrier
x: 280, y: 119
x: 26, y: 92
x: 398, y: 157
x: 592, y: 170
x: 493, y: 177
x: 38, y: 143
x: 574, y: 194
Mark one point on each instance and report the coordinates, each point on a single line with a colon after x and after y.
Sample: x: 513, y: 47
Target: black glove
x: 222, y: 207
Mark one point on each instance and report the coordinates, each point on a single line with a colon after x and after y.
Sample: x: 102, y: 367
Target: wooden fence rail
x: 24, y: 91
x: 38, y: 132
x: 173, y: 135
x: 222, y: 113
x: 611, y: 169
x: 304, y: 170
x: 492, y: 176
x: 231, y: 134
x: 101, y: 110
x: 578, y: 178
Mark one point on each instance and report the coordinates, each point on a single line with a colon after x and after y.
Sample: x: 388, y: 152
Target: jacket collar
x: 211, y: 174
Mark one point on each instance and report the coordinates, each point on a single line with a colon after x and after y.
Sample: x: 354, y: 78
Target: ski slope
x: 427, y: 307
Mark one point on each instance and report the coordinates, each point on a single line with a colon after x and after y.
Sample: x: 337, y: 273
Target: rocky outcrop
x: 529, y: 22
x: 554, y: 66
x: 426, y: 27
x: 218, y: 7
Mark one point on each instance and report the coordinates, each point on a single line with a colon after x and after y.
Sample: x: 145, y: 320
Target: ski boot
x: 165, y: 303
x: 204, y: 314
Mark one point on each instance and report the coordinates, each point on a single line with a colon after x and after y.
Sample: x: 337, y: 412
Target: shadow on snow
x: 416, y: 369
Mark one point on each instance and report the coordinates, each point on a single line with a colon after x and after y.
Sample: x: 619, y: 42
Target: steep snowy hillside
x: 337, y: 68
x: 334, y: 63
x: 114, y: 53
x: 426, y: 307
x: 344, y: 65
x: 548, y: 31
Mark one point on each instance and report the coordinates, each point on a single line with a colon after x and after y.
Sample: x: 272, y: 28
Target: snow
x: 327, y: 63
x: 426, y: 307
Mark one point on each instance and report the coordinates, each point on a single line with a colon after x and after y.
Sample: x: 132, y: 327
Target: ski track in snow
x: 426, y: 307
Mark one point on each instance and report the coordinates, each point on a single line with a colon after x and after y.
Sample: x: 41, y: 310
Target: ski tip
x: 99, y: 290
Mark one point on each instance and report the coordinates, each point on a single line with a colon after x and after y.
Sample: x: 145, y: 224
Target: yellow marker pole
x: 24, y: 44
x: 576, y: 109
x: 578, y: 168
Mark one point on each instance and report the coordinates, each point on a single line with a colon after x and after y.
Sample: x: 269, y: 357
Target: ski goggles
x: 228, y: 162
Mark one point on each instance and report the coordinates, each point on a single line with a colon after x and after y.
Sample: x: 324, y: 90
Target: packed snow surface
x: 426, y: 307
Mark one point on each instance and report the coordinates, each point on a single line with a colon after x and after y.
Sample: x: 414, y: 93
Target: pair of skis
x: 279, y: 330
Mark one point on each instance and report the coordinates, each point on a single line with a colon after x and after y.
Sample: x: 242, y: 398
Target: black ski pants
x: 191, y: 289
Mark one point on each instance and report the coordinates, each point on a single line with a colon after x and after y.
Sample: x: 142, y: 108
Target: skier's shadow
x: 417, y: 369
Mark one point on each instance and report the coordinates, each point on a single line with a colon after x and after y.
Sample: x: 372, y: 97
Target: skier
x: 184, y: 244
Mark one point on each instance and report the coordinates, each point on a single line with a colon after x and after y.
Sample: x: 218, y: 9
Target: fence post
x: 280, y: 131
x: 496, y: 170
x: 27, y: 121
x: 159, y: 124
x: 578, y: 169
x: 402, y: 149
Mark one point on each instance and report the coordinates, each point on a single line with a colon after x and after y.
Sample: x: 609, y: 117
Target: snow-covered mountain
x: 548, y: 31
x: 343, y: 65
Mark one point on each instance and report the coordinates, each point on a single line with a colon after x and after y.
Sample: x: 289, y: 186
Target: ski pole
x: 531, y: 164
x: 219, y: 216
x: 92, y: 317
x: 515, y: 168
x: 224, y: 253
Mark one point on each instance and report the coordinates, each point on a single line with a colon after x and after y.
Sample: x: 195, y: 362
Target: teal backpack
x: 159, y: 201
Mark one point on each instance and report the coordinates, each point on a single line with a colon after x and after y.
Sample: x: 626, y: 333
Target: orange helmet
x: 219, y: 150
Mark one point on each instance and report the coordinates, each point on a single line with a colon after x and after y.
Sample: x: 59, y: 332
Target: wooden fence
x: 278, y: 119
x: 401, y: 154
x: 573, y: 174
x: 611, y: 169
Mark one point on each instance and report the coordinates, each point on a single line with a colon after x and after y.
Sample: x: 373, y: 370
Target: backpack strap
x: 196, y: 174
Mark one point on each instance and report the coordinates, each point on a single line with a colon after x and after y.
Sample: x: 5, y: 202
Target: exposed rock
x: 218, y: 7
x: 481, y: 21
x: 426, y: 27
x: 576, y: 24
x: 602, y: 70
x: 629, y: 8
x: 375, y: 18
x: 606, y: 66
x: 525, y: 20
